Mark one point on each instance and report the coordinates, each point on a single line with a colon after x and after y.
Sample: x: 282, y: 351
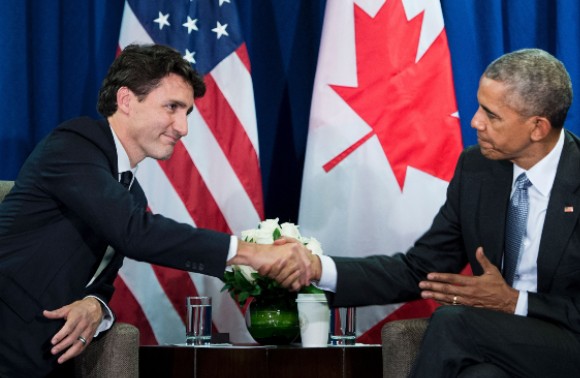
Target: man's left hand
x: 488, y: 290
x: 81, y: 321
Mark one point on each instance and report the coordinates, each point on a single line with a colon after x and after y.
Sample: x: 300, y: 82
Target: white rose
x: 249, y: 235
x: 313, y: 245
x: 290, y: 230
x: 247, y: 272
x: 264, y: 236
x: 269, y: 225
x: 265, y: 231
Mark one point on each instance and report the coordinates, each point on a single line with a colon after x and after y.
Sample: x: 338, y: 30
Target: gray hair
x: 538, y: 84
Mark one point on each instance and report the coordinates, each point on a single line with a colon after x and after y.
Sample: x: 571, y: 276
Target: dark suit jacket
x: 65, y: 208
x: 474, y: 215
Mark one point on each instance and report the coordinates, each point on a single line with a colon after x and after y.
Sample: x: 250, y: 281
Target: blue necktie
x: 517, y: 219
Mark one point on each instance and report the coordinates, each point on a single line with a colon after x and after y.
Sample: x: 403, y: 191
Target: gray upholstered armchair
x: 116, y: 354
x: 401, y: 340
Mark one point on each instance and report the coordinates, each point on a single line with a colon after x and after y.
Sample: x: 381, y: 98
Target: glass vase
x: 273, y: 321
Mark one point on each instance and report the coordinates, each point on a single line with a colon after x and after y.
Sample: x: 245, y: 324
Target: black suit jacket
x: 474, y: 215
x: 66, y: 207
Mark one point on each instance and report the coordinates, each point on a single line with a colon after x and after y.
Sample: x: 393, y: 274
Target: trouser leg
x: 461, y: 336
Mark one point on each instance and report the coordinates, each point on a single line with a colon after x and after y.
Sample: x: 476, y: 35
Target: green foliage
x: 240, y: 289
x: 311, y: 289
x: 277, y: 234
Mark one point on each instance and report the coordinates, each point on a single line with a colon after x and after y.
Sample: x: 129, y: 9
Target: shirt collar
x: 123, y: 163
x: 543, y: 173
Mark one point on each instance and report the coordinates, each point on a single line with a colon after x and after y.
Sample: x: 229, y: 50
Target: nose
x: 478, y: 122
x: 180, y: 125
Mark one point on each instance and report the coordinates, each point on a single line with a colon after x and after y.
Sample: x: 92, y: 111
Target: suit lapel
x: 560, y: 220
x: 495, y: 195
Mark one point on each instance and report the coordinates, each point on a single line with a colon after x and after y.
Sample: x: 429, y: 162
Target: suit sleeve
x: 77, y: 172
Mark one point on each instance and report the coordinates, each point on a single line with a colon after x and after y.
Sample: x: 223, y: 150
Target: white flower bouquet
x: 243, y: 282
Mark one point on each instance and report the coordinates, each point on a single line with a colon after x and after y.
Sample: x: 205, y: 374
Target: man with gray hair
x: 512, y: 213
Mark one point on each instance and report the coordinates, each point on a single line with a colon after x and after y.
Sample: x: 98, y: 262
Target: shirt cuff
x: 522, y: 305
x: 328, y: 275
x: 108, y: 317
x: 233, y: 250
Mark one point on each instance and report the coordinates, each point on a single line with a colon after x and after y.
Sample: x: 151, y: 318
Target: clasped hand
x: 288, y: 261
x: 488, y: 290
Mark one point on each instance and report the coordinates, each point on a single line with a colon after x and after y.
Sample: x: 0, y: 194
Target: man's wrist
x: 98, y: 306
x: 316, y: 268
x: 245, y: 254
x: 107, y: 317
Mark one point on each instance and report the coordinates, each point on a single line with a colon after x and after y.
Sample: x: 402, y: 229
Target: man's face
x: 502, y: 133
x: 158, y: 121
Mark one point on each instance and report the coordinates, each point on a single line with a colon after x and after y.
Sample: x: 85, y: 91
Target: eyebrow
x: 488, y: 111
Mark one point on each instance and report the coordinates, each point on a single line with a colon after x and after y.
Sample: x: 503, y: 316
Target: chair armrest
x: 116, y: 354
x: 401, y: 341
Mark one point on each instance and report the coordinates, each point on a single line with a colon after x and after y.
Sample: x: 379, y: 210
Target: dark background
x: 56, y: 53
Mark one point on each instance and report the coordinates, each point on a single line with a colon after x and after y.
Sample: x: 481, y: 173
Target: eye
x: 490, y: 115
x: 172, y: 107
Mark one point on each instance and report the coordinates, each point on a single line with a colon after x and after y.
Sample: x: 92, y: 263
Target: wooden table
x: 260, y: 361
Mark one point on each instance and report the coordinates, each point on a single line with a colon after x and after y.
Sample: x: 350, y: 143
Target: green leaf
x: 276, y: 234
x: 311, y: 289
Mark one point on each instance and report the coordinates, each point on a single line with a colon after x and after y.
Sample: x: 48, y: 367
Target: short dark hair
x: 141, y: 68
x: 538, y: 84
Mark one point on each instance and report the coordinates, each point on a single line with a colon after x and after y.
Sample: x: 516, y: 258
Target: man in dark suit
x: 71, y: 203
x: 487, y: 326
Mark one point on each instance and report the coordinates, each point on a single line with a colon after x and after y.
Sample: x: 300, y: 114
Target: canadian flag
x: 384, y: 135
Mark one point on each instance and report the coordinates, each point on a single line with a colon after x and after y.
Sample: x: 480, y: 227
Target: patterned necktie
x: 126, y: 178
x: 517, y: 219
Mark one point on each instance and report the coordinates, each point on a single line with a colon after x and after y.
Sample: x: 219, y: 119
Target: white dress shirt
x: 541, y: 175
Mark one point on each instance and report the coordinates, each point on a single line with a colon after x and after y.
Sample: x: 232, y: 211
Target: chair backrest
x: 5, y: 187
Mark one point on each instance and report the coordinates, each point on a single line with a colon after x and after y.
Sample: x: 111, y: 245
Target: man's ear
x: 124, y: 96
x: 540, y: 129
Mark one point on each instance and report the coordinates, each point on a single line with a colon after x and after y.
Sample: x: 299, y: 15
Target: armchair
x: 401, y: 340
x: 116, y: 354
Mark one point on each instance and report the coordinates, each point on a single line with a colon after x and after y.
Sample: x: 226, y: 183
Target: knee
x: 446, y: 319
x: 450, y: 313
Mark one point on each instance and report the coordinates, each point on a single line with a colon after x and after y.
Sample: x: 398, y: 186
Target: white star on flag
x: 224, y: 1
x: 189, y: 56
x: 191, y: 24
x: 220, y: 30
x: 162, y: 20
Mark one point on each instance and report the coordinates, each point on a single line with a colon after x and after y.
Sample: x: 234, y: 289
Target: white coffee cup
x: 314, y: 319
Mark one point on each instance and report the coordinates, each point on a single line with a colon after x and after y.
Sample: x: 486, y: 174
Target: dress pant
x: 466, y: 341
x: 25, y: 346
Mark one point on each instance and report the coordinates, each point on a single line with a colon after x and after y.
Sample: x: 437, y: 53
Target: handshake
x: 287, y: 261
x: 280, y: 253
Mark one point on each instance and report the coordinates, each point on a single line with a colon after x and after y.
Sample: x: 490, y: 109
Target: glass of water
x: 198, y: 321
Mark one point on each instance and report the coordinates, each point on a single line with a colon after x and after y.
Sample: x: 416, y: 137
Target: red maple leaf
x: 408, y: 104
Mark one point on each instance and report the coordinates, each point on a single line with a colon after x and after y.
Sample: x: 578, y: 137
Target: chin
x: 490, y: 154
x: 163, y: 155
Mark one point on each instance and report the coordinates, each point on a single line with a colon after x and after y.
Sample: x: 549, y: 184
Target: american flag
x: 213, y: 179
